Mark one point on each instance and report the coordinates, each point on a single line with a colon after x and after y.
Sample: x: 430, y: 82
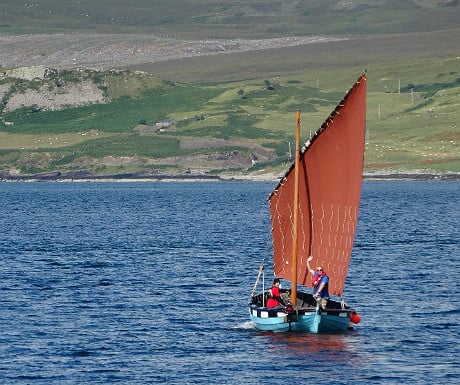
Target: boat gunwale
x: 312, y: 306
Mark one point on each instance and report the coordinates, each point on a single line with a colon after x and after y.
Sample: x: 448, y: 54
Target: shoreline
x: 269, y: 177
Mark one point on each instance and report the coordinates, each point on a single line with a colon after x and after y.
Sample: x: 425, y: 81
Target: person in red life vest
x: 320, y: 284
x: 274, y: 294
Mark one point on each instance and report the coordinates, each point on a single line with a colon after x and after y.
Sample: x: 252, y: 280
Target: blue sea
x: 148, y: 283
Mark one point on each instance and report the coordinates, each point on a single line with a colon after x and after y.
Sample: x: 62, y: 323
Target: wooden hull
x: 305, y: 321
x: 305, y: 317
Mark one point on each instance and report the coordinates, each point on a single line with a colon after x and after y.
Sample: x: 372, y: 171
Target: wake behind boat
x: 314, y: 212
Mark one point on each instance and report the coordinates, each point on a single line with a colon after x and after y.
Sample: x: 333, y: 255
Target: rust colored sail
x: 330, y: 179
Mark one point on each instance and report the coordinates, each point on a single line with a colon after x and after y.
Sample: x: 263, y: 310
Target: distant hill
x: 195, y: 19
x: 230, y: 75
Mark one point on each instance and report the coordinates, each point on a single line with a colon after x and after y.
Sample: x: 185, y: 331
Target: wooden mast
x: 296, y: 210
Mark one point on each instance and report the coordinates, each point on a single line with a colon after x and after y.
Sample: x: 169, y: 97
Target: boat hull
x: 301, y: 320
x: 305, y: 317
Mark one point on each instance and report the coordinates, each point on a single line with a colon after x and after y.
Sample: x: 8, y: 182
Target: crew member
x: 274, y: 294
x: 320, y: 284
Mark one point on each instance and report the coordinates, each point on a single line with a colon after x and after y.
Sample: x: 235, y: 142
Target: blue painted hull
x: 302, y: 320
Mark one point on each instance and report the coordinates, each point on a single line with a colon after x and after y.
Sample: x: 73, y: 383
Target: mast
x: 296, y: 210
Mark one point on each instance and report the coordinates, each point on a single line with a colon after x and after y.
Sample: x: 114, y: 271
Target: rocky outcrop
x: 56, y: 98
x: 25, y: 73
x: 43, y: 88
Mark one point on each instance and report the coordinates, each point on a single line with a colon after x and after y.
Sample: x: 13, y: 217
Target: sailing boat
x: 314, y: 212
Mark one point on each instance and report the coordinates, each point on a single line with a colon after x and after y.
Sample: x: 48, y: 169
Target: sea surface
x: 146, y: 283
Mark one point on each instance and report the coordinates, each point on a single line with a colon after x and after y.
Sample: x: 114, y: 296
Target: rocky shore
x: 82, y: 176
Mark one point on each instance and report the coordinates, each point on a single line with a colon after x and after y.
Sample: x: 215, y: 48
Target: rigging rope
x: 261, y: 269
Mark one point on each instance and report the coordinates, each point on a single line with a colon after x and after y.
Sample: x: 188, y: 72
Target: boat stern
x: 269, y: 319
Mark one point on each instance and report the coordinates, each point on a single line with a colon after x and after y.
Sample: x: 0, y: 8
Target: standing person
x: 320, y: 284
x: 274, y: 294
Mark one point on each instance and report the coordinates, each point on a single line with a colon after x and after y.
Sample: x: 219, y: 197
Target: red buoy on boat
x: 355, y: 318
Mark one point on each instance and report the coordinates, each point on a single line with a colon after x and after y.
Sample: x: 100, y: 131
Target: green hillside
x: 229, y: 19
x: 232, y: 112
x: 410, y: 127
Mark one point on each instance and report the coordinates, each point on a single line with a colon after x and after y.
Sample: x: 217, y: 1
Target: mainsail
x: 330, y: 179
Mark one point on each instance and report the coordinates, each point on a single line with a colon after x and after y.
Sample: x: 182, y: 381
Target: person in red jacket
x: 274, y: 294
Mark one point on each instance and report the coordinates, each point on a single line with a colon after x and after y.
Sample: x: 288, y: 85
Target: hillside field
x: 218, y: 96
x: 224, y: 127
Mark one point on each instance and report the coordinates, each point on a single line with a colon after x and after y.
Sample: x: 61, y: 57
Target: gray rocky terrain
x: 105, y: 51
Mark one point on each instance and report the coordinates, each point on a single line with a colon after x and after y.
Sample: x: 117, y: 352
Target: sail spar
x: 330, y: 179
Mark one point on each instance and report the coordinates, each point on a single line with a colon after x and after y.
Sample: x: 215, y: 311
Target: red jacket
x: 273, y: 297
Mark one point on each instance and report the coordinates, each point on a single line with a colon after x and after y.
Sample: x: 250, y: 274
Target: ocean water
x: 143, y: 283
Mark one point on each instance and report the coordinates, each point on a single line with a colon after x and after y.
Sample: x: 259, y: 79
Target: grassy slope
x: 228, y: 19
x: 406, y: 130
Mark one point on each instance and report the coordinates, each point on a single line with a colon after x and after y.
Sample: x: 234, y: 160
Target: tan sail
x: 330, y: 179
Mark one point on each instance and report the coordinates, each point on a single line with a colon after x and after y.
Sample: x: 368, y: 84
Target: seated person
x: 274, y: 294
